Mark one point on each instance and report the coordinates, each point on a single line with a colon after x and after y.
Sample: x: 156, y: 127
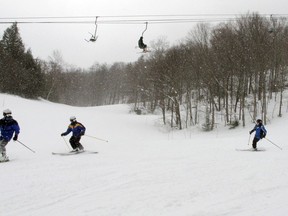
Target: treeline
x: 230, y: 68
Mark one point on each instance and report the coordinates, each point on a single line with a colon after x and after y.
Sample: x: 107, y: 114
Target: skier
x: 78, y: 130
x: 142, y: 45
x: 8, y: 127
x: 260, y: 132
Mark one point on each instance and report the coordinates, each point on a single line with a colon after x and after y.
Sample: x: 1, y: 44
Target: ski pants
x: 254, y: 143
x: 75, y: 142
x: 3, y: 144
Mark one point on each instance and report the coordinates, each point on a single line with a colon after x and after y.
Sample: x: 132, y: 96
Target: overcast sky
x: 116, y: 42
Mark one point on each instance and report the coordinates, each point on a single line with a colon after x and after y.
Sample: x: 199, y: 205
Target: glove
x: 250, y: 132
x: 264, y: 135
x: 82, y: 133
x: 15, y: 137
x: 62, y: 134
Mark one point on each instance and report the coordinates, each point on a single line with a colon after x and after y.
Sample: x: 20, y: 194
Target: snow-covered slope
x: 142, y: 170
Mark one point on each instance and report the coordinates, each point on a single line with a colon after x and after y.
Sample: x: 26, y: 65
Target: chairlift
x: 94, y: 37
x: 141, y: 44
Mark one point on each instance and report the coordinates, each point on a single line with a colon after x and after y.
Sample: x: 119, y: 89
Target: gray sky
x: 116, y: 42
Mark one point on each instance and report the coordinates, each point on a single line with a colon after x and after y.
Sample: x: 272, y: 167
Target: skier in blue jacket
x: 8, y: 127
x: 260, y: 132
x: 77, y: 130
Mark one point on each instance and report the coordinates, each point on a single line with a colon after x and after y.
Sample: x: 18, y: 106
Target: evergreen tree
x: 12, y: 42
x: 20, y: 72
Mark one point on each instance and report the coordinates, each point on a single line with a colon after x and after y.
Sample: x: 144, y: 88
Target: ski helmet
x: 259, y: 121
x: 7, y: 112
x: 72, y: 118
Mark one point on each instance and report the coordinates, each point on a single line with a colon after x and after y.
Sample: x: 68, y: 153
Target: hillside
x: 142, y: 171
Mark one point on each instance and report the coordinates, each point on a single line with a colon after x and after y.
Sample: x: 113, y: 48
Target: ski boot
x: 3, y: 157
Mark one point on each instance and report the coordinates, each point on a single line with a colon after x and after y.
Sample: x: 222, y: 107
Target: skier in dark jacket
x: 77, y: 130
x: 260, y: 132
x: 8, y: 127
x: 142, y: 45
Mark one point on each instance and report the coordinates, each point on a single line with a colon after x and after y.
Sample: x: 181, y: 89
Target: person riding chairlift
x: 142, y: 45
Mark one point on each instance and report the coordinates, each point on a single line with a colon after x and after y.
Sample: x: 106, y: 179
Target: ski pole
x: 25, y: 146
x: 96, y: 138
x: 249, y: 139
x: 66, y: 142
x: 273, y: 143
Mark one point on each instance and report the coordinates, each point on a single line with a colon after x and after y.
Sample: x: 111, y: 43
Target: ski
x: 144, y: 52
x: 74, y: 153
x: 251, y: 149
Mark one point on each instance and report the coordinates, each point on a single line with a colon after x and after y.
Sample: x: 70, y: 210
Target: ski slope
x: 143, y: 170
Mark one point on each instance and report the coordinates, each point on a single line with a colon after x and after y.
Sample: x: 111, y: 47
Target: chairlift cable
x: 128, y: 19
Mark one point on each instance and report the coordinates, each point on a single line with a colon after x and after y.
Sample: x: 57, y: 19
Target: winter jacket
x: 141, y: 44
x: 260, y: 131
x: 7, y: 127
x: 77, y: 129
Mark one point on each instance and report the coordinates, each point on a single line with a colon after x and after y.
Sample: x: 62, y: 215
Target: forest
x: 226, y: 69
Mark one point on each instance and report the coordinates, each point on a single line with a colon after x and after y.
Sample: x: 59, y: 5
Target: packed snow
x: 143, y: 170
